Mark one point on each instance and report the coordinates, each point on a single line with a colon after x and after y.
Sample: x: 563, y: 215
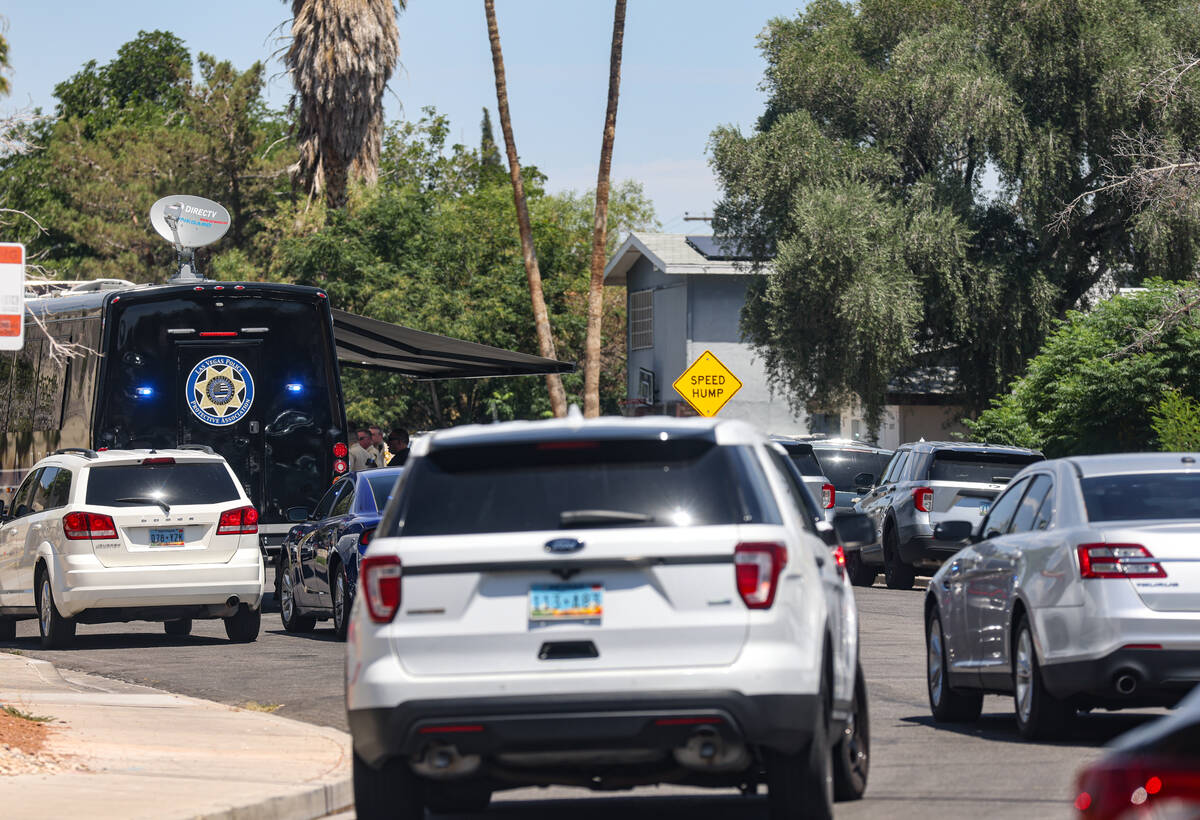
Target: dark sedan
x: 319, y: 558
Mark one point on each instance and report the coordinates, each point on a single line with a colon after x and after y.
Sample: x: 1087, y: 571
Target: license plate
x: 576, y: 603
x: 166, y: 538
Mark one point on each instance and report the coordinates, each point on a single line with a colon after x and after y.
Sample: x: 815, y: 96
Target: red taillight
x: 158, y: 460
x: 221, y: 333
x: 366, y: 537
x: 1148, y: 787
x: 756, y: 568
x: 839, y: 557
x: 456, y: 729
x: 381, y: 586
x: 923, y: 499
x: 828, y: 494
x: 242, y: 521
x: 1118, y: 561
x: 79, y: 526
x: 340, y: 450
x: 340, y: 466
x: 689, y: 721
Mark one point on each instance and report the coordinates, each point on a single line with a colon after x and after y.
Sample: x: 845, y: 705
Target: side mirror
x: 854, y: 529
x: 297, y: 514
x: 953, y: 530
x: 863, y: 482
x: 3, y: 511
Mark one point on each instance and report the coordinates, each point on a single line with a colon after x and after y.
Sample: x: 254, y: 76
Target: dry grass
x: 255, y: 706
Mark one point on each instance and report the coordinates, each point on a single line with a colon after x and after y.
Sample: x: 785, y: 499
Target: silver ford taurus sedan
x: 1081, y: 589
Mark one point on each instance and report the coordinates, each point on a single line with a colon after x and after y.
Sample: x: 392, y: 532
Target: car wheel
x: 852, y: 754
x: 57, y: 632
x: 469, y: 797
x: 947, y: 705
x: 392, y: 792
x: 179, y: 626
x: 8, y: 629
x: 861, y: 573
x: 1040, y: 715
x: 341, y: 603
x: 289, y: 610
x: 801, y: 785
x: 243, y: 626
x: 898, y: 574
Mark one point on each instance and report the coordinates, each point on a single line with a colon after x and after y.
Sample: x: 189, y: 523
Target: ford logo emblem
x: 561, y: 545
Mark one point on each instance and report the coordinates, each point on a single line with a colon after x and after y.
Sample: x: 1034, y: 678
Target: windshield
x: 1144, y: 497
x: 979, y: 468
x: 841, y: 466
x: 562, y: 484
x: 136, y: 485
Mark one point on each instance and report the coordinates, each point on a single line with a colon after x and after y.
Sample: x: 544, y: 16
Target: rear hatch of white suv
x: 158, y: 510
x: 597, y: 553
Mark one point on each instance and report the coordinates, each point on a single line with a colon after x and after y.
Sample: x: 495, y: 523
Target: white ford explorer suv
x: 604, y: 603
x: 124, y: 535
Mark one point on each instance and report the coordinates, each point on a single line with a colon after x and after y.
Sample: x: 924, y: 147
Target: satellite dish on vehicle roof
x: 188, y: 222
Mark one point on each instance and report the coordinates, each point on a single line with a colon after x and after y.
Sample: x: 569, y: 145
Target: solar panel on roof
x: 717, y: 249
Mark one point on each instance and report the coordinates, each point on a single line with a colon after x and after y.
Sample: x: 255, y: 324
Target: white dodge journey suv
x: 124, y: 535
x: 604, y: 603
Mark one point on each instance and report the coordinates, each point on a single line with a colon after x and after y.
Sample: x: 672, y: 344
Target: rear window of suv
x: 841, y: 466
x: 979, y: 468
x: 583, y: 484
x: 1143, y: 497
x: 131, y: 485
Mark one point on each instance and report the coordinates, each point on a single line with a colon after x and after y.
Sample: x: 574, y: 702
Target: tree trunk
x: 591, y: 359
x: 541, y: 319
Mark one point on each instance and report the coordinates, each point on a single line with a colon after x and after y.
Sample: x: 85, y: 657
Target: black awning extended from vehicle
x: 376, y: 345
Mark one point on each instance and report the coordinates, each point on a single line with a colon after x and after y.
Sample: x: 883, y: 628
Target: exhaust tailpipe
x: 1126, y: 683
x: 707, y: 752
x: 233, y: 602
x: 441, y: 761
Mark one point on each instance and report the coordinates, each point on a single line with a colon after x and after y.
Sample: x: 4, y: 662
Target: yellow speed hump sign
x: 707, y: 385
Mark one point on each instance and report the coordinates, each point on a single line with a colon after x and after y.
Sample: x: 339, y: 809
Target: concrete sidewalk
x: 134, y: 752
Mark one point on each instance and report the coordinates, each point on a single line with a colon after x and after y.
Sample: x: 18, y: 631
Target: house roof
x: 670, y: 253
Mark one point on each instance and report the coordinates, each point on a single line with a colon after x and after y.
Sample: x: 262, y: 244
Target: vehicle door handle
x: 307, y: 552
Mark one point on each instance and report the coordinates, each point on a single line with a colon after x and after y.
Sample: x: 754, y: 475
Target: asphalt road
x: 918, y: 770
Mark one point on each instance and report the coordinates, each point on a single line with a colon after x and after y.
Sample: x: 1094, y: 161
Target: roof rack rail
x: 204, y: 448
x: 83, y: 451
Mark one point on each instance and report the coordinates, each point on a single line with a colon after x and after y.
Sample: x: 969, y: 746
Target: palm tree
x: 541, y: 319
x: 591, y: 356
x: 341, y: 58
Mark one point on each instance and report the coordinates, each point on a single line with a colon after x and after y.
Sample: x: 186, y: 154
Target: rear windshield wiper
x: 166, y: 508
x: 577, y: 518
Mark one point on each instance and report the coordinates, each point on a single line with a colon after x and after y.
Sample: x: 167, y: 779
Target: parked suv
x: 130, y: 535
x: 604, y: 603
x: 927, y: 482
x: 818, y: 484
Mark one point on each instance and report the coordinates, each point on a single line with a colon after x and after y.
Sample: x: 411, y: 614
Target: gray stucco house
x: 684, y: 295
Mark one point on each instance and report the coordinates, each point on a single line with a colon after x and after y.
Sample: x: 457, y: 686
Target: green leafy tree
x: 5, y: 85
x: 1097, y: 386
x: 1176, y: 422
x: 908, y: 175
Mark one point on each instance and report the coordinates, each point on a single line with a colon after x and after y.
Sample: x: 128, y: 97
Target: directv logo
x: 199, y: 212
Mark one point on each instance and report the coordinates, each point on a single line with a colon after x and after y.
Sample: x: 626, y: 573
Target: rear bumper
x: 1162, y: 676
x: 925, y: 551
x: 82, y: 583
x: 660, y: 720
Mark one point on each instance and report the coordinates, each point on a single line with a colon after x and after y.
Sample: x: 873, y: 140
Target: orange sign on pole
x: 12, y: 295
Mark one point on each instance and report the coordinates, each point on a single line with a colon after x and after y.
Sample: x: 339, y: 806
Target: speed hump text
x: 707, y: 385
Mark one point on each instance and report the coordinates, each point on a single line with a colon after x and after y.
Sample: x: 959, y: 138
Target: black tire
x: 896, y: 573
x: 392, y: 792
x: 458, y: 797
x: 800, y: 786
x: 860, y: 573
x: 289, y: 610
x: 1040, y: 715
x: 56, y: 631
x: 8, y: 629
x: 179, y: 627
x: 947, y: 705
x: 343, y: 597
x: 852, y: 753
x: 243, y: 626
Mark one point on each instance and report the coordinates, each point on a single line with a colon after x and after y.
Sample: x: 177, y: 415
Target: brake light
x: 221, y: 333
x: 1118, y: 561
x: 756, y: 569
x: 340, y: 466
x: 839, y: 557
x: 242, y: 521
x: 1121, y: 787
x: 827, y: 496
x: 381, y: 586
x: 340, y: 450
x: 366, y: 537
x: 158, y: 460
x: 923, y: 499
x: 80, y: 526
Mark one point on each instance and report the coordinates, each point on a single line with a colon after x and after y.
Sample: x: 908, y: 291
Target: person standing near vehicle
x: 363, y: 456
x: 380, y: 445
x: 398, y: 443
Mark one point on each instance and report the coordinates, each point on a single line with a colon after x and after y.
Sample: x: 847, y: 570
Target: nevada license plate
x: 553, y: 603
x: 166, y: 538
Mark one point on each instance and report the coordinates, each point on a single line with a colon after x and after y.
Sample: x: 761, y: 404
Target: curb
x: 311, y: 804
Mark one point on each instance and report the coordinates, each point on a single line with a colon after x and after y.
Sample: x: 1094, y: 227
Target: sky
x: 688, y: 66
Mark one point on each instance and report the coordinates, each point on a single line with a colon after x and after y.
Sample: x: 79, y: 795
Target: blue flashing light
x: 293, y: 387
x: 144, y: 392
